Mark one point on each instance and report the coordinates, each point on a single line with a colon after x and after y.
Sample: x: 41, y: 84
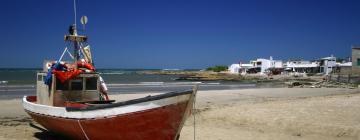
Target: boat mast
x: 76, y: 45
x: 75, y: 38
x: 75, y: 13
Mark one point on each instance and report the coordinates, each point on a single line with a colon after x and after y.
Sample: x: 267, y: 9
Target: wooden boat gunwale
x: 130, y: 102
x: 136, y: 105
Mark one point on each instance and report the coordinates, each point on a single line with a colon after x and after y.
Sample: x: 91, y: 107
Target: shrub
x: 217, y: 68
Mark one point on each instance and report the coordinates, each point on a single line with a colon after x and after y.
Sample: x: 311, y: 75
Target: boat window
x: 62, y: 86
x: 91, y: 83
x: 76, y: 84
x: 39, y: 78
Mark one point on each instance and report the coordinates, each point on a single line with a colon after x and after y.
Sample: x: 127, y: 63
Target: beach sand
x: 246, y: 114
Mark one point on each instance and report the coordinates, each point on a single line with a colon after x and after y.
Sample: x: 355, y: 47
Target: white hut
x: 234, y: 68
x: 327, y: 64
x: 240, y: 68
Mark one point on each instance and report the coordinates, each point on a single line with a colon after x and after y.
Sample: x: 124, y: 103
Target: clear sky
x: 179, y: 33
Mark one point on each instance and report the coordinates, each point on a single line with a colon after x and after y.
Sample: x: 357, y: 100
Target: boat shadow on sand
x: 29, y: 125
x: 47, y: 135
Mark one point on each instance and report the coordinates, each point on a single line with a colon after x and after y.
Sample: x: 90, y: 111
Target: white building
x: 346, y: 64
x: 343, y: 67
x: 302, y: 66
x: 234, y: 68
x: 327, y: 64
x: 245, y: 67
x: 239, y: 68
x: 266, y: 64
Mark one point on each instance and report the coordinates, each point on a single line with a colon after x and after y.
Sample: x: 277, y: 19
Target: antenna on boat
x: 75, y: 12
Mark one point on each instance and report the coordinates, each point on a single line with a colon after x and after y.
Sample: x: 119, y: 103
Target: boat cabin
x: 85, y: 87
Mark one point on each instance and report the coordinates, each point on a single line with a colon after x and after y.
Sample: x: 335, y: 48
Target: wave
x: 162, y: 84
x: 6, y: 90
x: 112, y: 73
x: 171, y: 69
x: 17, y: 86
x: 151, y: 83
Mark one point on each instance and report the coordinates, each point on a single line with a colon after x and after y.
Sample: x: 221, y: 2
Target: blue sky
x: 179, y: 33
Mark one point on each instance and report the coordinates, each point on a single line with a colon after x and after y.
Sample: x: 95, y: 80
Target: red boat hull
x: 154, y: 124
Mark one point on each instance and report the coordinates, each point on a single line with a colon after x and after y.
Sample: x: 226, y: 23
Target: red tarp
x: 66, y: 75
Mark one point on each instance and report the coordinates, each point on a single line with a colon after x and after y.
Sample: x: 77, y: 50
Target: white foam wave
x: 112, y: 73
x: 16, y: 86
x: 5, y: 90
x: 164, y: 84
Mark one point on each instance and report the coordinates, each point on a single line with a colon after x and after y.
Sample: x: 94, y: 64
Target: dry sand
x: 256, y: 114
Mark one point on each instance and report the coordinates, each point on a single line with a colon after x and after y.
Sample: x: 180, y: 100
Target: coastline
x: 261, y: 113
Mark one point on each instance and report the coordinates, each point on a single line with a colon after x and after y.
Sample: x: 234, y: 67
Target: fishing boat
x: 71, y: 100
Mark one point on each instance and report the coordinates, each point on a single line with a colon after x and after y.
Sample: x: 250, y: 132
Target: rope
x: 82, y: 51
x: 62, y: 55
x: 87, y: 138
x: 72, y: 57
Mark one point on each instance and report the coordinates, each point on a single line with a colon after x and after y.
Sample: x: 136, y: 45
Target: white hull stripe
x: 61, y: 111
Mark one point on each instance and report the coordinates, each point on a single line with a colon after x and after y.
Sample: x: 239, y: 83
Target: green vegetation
x: 217, y: 68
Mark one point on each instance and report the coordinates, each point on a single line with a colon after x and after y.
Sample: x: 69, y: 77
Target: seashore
x: 260, y: 113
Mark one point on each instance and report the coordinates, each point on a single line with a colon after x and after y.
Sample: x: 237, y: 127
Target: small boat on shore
x: 71, y: 100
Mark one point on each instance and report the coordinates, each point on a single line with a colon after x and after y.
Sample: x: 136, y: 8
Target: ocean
x: 15, y: 83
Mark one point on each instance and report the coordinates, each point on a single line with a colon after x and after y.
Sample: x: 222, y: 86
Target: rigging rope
x: 72, y: 57
x: 62, y: 55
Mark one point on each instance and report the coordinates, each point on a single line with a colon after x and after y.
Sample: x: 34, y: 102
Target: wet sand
x: 250, y: 114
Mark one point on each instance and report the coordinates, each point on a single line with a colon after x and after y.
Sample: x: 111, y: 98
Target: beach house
x: 240, y: 68
x: 324, y: 65
x: 342, y: 67
x: 302, y: 66
x: 327, y: 64
x: 234, y: 68
x: 265, y: 65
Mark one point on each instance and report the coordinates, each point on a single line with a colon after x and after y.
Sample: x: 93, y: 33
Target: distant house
x: 239, y: 68
x: 244, y: 69
x: 234, y: 68
x: 301, y: 66
x: 266, y: 64
x: 343, y: 67
x: 345, y: 64
x: 327, y: 64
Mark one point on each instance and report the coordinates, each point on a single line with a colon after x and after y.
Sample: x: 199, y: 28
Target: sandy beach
x: 250, y: 114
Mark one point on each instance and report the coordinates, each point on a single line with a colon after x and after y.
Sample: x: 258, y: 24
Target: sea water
x: 15, y: 83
